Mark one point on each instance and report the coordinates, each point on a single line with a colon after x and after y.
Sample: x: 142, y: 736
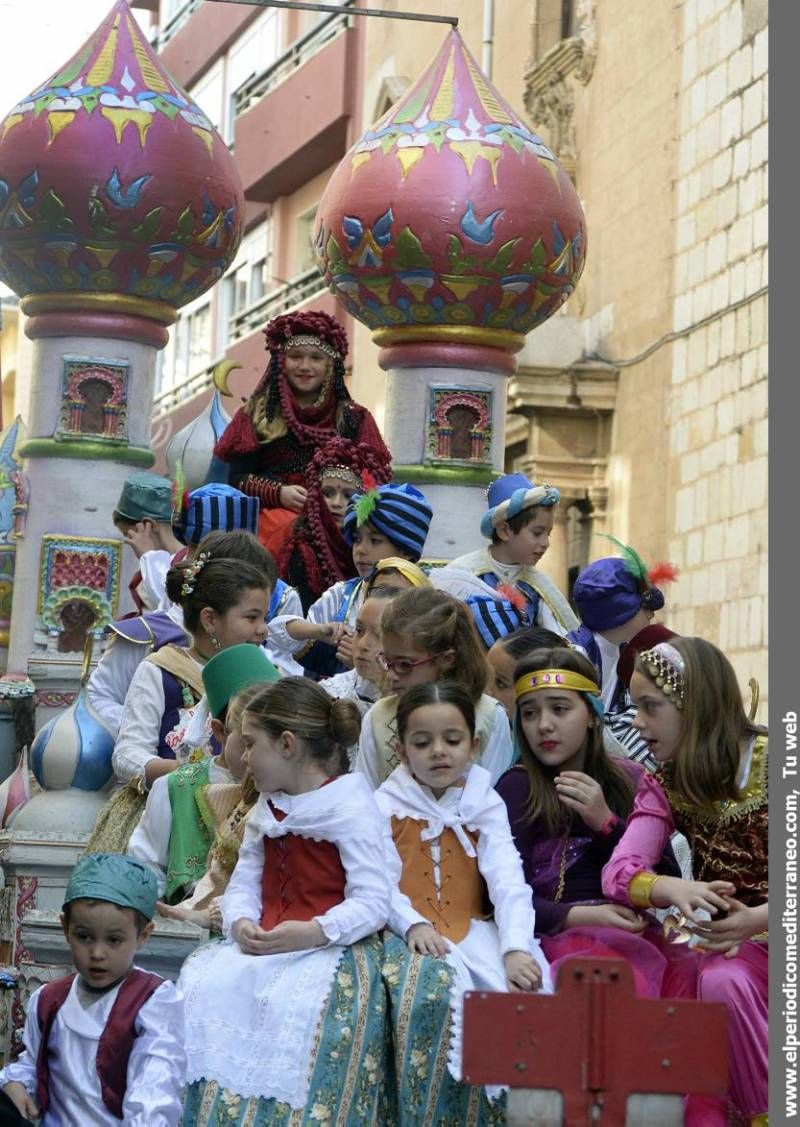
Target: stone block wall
x: 718, y: 400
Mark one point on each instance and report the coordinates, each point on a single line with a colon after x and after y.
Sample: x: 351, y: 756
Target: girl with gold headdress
x: 301, y: 402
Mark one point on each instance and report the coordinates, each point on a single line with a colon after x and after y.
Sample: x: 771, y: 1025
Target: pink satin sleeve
x: 642, y: 844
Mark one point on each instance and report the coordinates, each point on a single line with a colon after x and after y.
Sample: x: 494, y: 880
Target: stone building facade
x: 718, y: 381
x: 644, y: 399
x: 658, y: 429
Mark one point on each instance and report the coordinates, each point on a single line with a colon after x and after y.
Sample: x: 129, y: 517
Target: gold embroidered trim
x: 754, y: 794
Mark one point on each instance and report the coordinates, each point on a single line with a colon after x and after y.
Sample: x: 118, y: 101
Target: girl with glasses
x: 427, y: 636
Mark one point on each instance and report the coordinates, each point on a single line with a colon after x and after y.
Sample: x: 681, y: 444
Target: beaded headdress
x: 311, y: 328
x: 308, y: 341
x: 191, y: 573
x: 667, y: 669
x: 342, y: 473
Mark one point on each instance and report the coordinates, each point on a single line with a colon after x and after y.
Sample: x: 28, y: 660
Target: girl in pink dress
x: 567, y: 801
x: 713, y: 770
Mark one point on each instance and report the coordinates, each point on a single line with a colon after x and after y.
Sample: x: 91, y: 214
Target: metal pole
x: 488, y: 36
x: 383, y: 13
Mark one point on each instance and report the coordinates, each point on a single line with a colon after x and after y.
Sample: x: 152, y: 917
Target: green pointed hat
x: 232, y: 670
x: 114, y: 877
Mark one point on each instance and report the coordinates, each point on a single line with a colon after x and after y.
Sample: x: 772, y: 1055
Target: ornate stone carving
x: 460, y: 425
x: 94, y: 399
x: 78, y: 587
x: 563, y: 417
x: 551, y: 82
x: 586, y: 14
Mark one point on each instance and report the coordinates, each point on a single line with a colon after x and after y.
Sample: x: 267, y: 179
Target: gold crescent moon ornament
x: 220, y: 375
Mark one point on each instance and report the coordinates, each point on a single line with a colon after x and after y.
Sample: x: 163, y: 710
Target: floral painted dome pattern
x: 113, y: 181
x: 450, y: 212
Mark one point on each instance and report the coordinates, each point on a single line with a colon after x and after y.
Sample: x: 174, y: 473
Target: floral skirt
x: 349, y: 1064
x: 419, y: 989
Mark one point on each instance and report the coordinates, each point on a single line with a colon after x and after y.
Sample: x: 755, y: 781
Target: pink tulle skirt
x: 649, y: 965
x: 668, y: 970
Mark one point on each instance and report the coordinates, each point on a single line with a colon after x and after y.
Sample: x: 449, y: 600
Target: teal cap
x: 146, y: 496
x: 232, y: 670
x: 116, y: 878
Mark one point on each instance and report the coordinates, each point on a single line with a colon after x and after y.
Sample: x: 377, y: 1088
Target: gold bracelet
x: 215, y: 912
x: 640, y: 889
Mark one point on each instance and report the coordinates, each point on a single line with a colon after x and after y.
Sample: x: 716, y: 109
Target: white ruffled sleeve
x: 149, y: 842
x: 402, y: 913
x: 324, y: 609
x: 243, y: 898
x: 110, y: 681
x: 368, y: 760
x: 154, y: 566
x: 23, y: 1070
x: 292, y: 604
x: 501, y: 868
x: 137, y: 742
x: 498, y: 754
x: 157, y: 1064
x: 365, y: 907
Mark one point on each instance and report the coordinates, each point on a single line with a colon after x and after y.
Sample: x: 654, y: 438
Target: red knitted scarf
x: 316, y: 543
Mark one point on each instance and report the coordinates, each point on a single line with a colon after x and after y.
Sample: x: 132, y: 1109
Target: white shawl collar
x: 402, y: 795
x: 334, y: 812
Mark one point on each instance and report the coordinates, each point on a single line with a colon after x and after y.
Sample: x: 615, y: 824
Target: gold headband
x: 554, y: 679
x: 410, y: 571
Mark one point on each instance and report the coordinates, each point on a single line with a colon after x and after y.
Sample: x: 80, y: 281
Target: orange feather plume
x: 513, y: 596
x: 662, y: 573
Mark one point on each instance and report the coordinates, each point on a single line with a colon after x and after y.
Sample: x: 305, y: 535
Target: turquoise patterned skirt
x: 419, y: 1011
x: 351, y: 1075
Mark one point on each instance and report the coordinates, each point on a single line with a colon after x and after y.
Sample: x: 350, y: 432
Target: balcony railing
x: 170, y: 398
x: 298, y: 53
x: 173, y: 25
x: 281, y: 300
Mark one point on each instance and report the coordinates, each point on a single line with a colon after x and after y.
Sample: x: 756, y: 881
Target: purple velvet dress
x: 582, y: 855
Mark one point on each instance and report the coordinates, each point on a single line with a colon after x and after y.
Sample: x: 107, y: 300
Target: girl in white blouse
x: 224, y: 603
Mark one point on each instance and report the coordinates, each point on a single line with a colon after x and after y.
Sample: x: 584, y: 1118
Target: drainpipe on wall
x: 488, y: 36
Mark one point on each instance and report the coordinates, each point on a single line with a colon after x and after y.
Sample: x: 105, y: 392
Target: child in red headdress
x: 315, y: 555
x: 300, y: 403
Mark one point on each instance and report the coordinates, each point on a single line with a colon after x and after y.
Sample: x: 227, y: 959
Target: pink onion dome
x: 449, y: 219
x: 113, y: 182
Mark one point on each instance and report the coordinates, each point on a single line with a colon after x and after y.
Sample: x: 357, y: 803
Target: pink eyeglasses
x: 402, y: 666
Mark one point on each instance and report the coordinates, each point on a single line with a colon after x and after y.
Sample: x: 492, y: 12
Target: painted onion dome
x: 73, y: 749
x: 113, y: 182
x: 192, y: 448
x: 449, y: 219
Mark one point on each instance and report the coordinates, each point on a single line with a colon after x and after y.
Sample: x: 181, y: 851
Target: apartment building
x: 645, y: 398
x: 282, y: 89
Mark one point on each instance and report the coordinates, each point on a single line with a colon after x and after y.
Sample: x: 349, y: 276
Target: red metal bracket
x: 595, y: 1042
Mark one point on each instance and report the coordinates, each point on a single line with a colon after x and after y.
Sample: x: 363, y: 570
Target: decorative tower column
x: 451, y: 231
x: 118, y: 204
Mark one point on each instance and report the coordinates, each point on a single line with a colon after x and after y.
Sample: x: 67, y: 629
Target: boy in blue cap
x: 386, y: 520
x: 104, y: 1044
x: 518, y: 524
